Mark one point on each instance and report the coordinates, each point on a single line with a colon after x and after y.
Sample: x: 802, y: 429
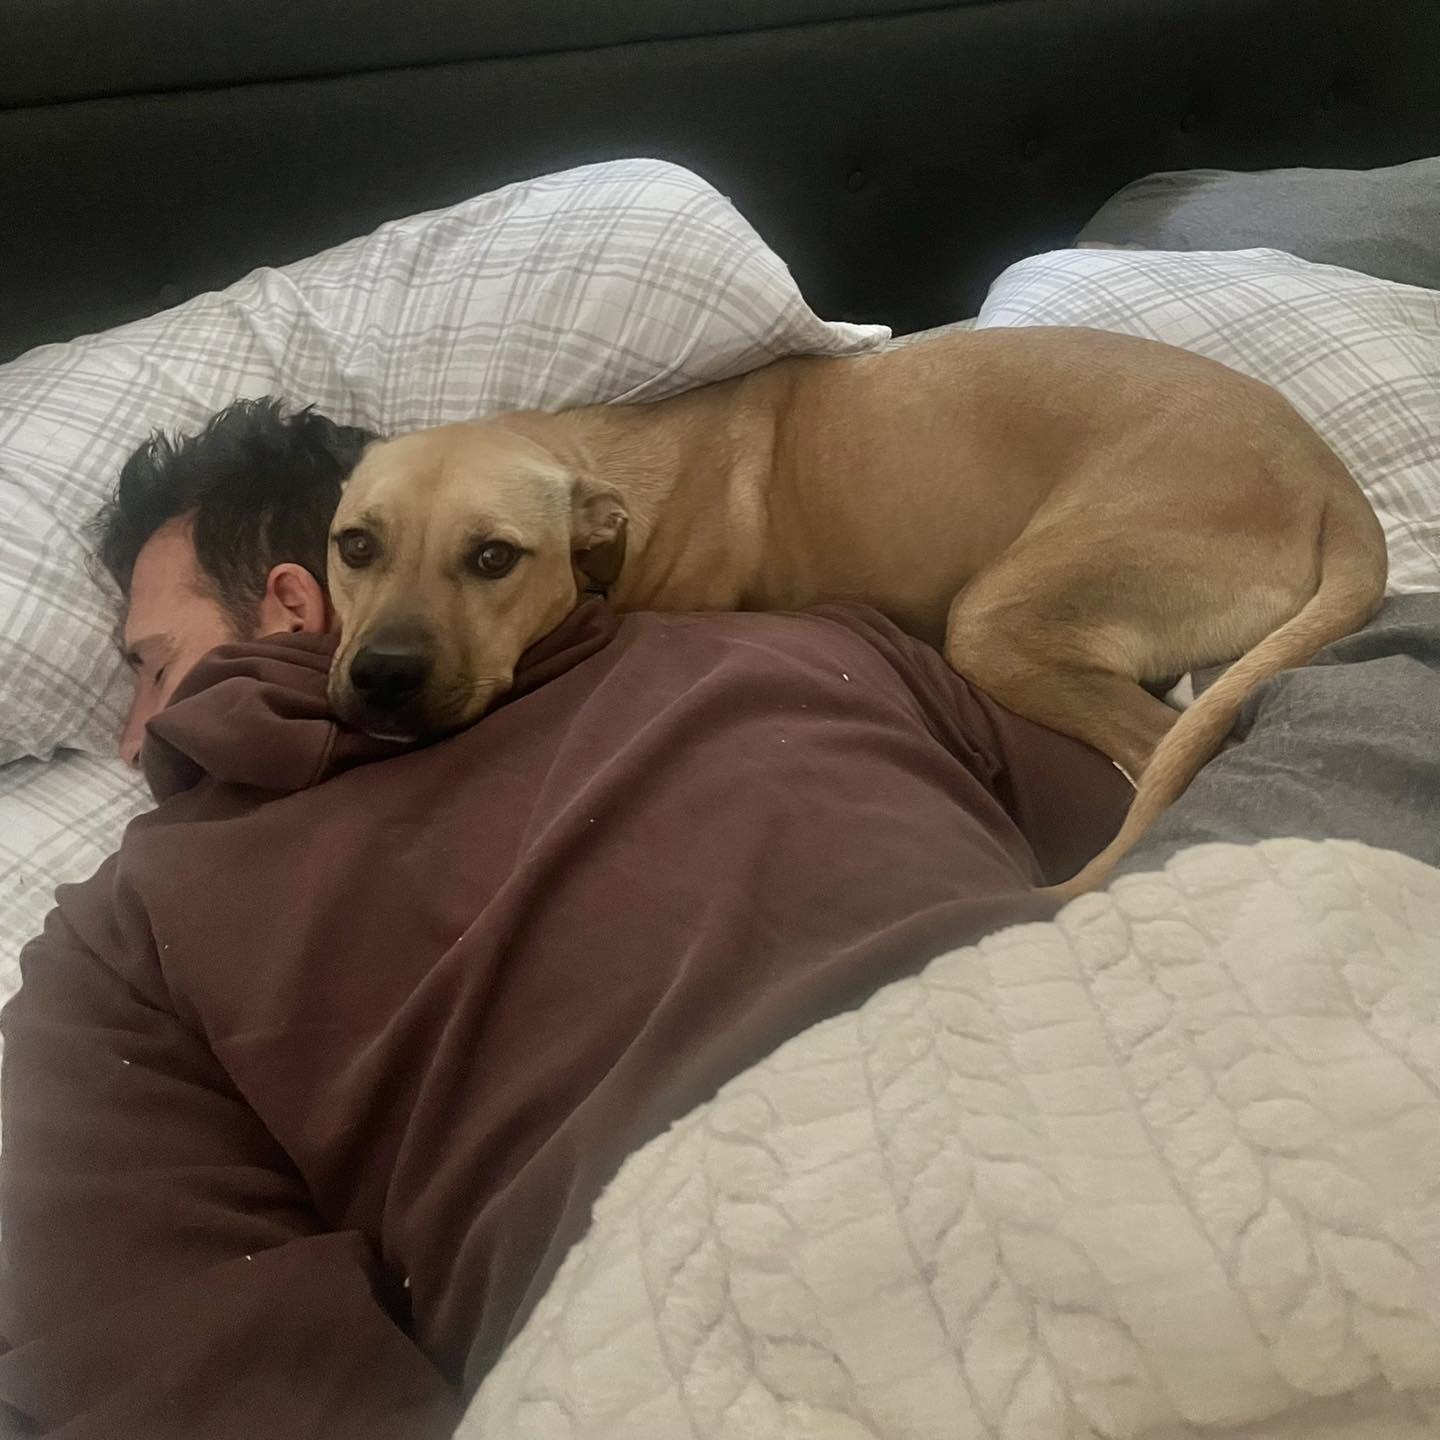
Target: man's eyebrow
x: 134, y: 655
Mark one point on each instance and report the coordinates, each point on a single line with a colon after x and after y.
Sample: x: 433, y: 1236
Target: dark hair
x: 259, y: 486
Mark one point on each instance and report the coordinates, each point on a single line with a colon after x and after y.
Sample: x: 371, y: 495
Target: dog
x: 1071, y: 516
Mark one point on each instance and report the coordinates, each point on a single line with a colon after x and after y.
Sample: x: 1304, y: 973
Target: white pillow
x: 625, y: 281
x: 1357, y: 356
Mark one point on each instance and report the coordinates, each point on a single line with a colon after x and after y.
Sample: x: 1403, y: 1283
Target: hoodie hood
x: 256, y: 714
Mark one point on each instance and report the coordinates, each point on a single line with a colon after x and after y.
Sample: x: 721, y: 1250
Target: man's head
x: 221, y: 536
x: 453, y: 550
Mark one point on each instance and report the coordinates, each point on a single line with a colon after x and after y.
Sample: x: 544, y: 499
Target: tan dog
x: 1069, y: 514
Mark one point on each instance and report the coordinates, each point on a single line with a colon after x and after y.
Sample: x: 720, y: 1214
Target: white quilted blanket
x: 1167, y: 1167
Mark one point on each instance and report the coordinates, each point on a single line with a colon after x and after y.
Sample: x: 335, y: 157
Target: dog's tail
x: 1351, y: 587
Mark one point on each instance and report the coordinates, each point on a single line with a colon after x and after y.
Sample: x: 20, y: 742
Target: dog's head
x: 452, y: 551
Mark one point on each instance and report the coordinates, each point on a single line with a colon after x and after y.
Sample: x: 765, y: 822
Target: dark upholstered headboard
x: 896, y: 153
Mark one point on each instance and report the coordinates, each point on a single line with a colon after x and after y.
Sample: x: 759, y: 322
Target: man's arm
x: 163, y: 1274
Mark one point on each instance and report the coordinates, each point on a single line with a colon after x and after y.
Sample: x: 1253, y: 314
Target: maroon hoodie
x: 309, y: 1088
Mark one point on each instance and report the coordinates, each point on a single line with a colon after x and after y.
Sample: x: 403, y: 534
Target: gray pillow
x: 1380, y: 222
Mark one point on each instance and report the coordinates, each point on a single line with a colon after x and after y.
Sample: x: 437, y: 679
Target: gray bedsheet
x: 1346, y: 748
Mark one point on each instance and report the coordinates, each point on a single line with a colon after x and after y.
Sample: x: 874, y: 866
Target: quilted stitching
x: 1167, y: 1167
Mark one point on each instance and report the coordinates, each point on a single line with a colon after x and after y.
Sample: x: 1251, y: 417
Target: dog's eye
x: 496, y: 559
x: 355, y: 548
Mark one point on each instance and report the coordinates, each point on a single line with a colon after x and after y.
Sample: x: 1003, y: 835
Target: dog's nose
x: 385, y: 677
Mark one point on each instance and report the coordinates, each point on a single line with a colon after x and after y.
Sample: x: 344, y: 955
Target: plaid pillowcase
x: 623, y: 281
x: 1357, y: 356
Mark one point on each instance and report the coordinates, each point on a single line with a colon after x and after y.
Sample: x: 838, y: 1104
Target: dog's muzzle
x: 386, y: 678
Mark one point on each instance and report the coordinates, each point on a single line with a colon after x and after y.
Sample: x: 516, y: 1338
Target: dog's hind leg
x: 1047, y: 653
x: 1062, y: 688
x: 1090, y: 603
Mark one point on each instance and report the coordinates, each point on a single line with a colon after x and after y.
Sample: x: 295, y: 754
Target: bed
x: 896, y: 156
x: 913, y: 166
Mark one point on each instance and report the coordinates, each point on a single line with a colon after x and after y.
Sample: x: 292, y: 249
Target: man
x: 221, y: 536
x: 309, y: 1089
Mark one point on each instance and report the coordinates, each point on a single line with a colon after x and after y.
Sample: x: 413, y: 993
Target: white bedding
x: 58, y: 820
x: 1166, y: 1167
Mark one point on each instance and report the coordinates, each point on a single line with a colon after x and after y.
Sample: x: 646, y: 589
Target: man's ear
x: 295, y: 602
x: 598, y: 522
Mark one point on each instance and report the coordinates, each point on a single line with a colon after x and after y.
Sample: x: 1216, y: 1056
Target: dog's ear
x: 340, y: 447
x: 598, y: 522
